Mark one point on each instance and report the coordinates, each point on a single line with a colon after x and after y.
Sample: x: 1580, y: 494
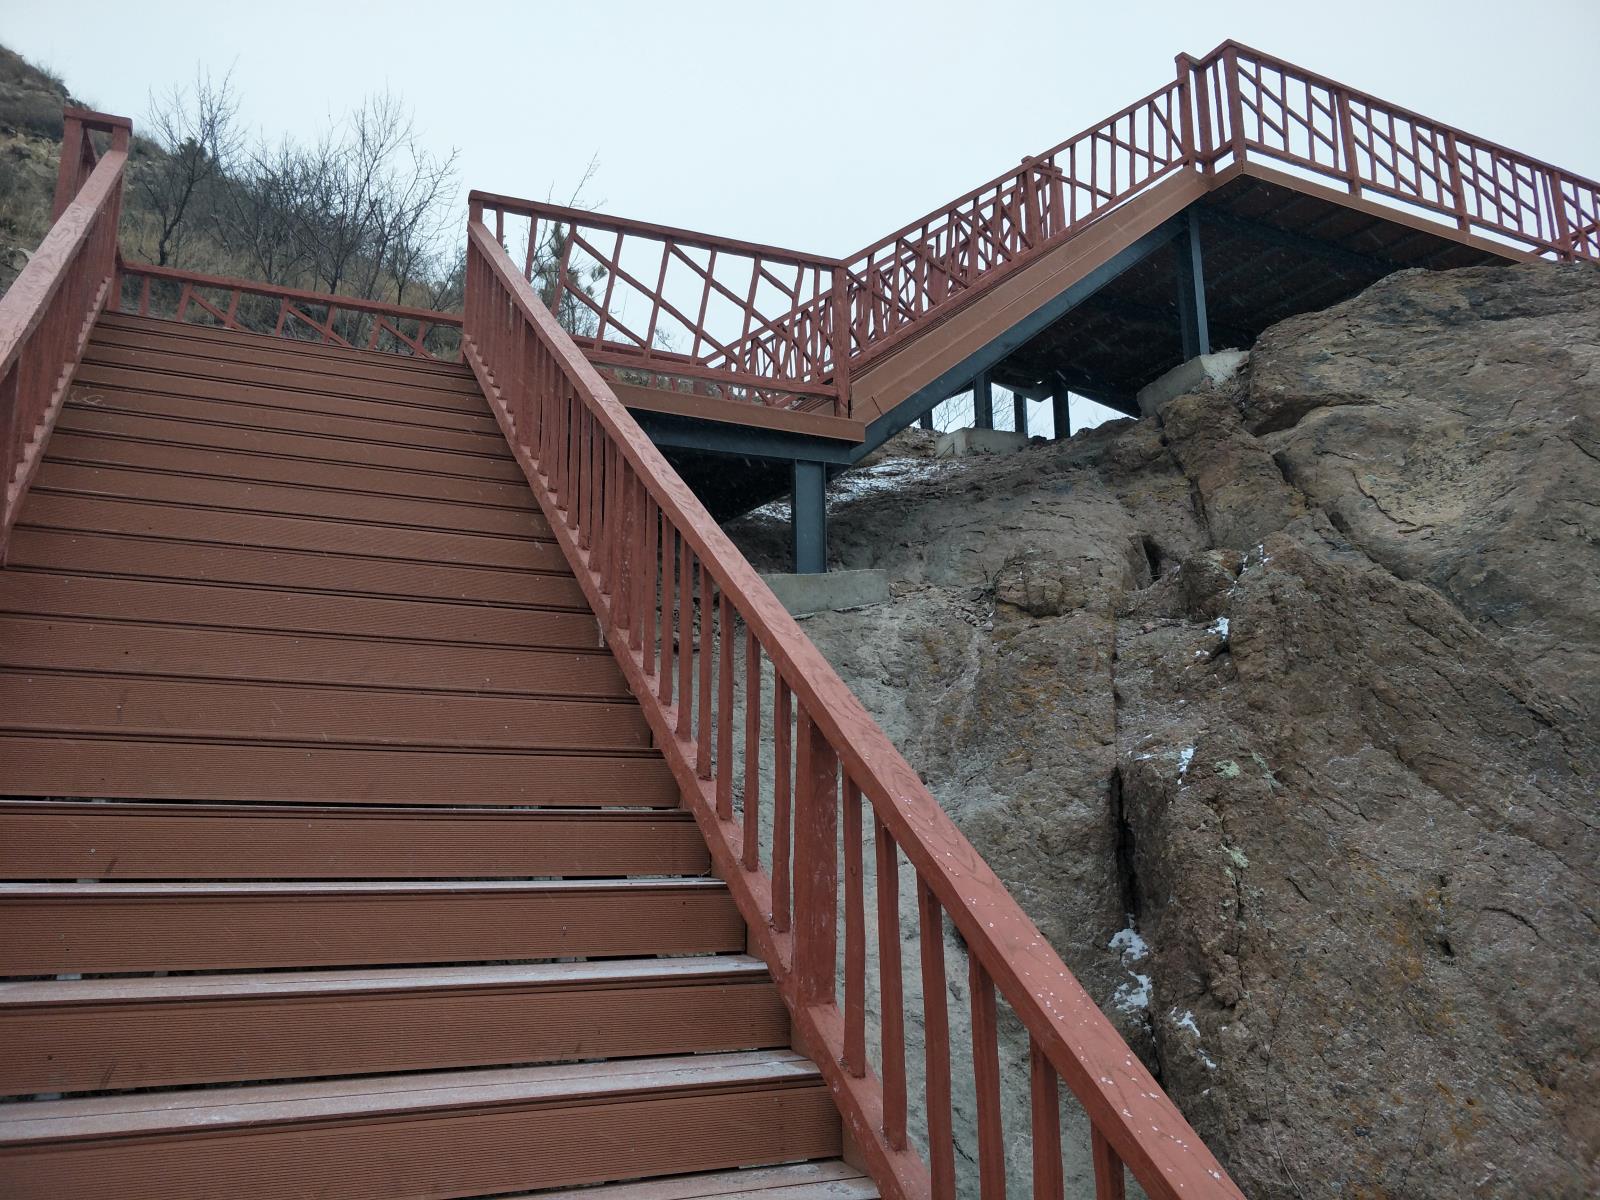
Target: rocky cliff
x: 1280, y: 713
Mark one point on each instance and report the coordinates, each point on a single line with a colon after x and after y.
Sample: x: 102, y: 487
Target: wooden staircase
x: 340, y: 861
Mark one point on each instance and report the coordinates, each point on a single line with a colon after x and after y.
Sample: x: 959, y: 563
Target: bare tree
x: 195, y: 128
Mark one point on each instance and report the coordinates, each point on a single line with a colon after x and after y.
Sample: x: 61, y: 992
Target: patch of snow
x: 889, y: 475
x: 1185, y: 757
x: 1219, y: 627
x: 1128, y: 942
x: 1186, y: 1021
x: 1130, y: 997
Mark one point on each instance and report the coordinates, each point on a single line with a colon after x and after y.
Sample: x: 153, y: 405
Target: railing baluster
x: 650, y: 566
x: 780, y: 803
x: 816, y: 870
x: 1109, y: 1183
x: 891, y: 987
x: 668, y: 557
x: 936, y: 1043
x: 1045, y: 1113
x: 855, y: 936
x: 707, y: 649
x: 724, y: 706
x: 751, y: 850
x: 685, y: 636
x: 986, y: 1082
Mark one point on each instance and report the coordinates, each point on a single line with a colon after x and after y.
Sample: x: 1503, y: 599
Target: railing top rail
x: 353, y: 303
x: 1120, y: 1096
x: 1293, y: 70
x: 1000, y: 179
x: 24, y: 305
x: 683, y: 237
x: 106, y: 122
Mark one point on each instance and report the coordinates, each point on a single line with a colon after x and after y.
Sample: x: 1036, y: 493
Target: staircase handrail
x: 46, y: 316
x: 678, y: 603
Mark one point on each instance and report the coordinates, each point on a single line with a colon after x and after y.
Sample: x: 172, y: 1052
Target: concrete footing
x: 802, y: 594
x: 962, y: 443
x: 1202, y: 371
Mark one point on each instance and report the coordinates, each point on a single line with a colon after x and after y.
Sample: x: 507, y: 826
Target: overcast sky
x: 814, y: 125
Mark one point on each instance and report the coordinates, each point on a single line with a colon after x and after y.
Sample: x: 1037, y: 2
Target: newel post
x: 1230, y: 68
x: 1185, y: 70
x: 69, y: 171
x: 840, y: 304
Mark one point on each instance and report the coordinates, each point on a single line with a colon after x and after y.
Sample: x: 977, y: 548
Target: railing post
x: 1347, y: 138
x: 1236, y: 138
x: 1567, y: 248
x: 69, y: 170
x: 840, y: 304
x: 1185, y: 66
x: 1205, y: 149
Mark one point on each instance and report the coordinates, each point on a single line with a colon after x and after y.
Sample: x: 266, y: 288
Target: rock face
x: 1298, y: 687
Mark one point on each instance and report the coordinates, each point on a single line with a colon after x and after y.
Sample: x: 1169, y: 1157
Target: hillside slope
x: 1281, y: 714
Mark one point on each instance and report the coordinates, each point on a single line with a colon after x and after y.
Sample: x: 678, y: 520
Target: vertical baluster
x: 702, y: 756
x: 816, y: 869
x: 751, y: 857
x: 780, y: 802
x: 724, y: 707
x: 1108, y: 1179
x: 986, y: 1082
x: 650, y: 566
x: 685, y: 636
x: 668, y: 555
x: 1045, y: 1111
x: 936, y: 1043
x: 891, y: 988
x: 855, y: 936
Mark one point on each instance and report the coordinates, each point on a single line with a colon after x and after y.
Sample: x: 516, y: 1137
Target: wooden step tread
x: 176, y: 560
x: 310, y: 531
x: 135, y: 648
x: 211, y: 710
x: 31, y: 1122
x: 56, y: 839
x: 483, y: 1132
x: 158, y: 330
x: 91, y: 382
x: 285, y: 499
x: 355, y: 420
x: 124, y: 927
x: 277, y: 363
x: 283, y: 984
x: 825, y: 1179
x: 181, y: 1031
x: 230, y: 606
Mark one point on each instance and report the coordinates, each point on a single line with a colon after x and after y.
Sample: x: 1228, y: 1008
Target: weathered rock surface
x: 1304, y: 677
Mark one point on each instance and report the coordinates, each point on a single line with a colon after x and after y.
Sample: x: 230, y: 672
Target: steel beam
x: 1059, y: 408
x: 982, y: 401
x: 1193, y: 325
x: 809, y: 517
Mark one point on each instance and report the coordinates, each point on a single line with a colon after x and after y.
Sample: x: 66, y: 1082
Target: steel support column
x: 1058, y: 408
x: 1019, y: 413
x: 926, y: 420
x: 809, y: 517
x: 982, y: 401
x: 1193, y: 325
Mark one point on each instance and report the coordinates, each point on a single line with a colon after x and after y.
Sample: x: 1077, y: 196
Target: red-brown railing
x: 46, y: 316
x: 284, y: 312
x: 1251, y: 105
x: 788, y: 776
x: 1230, y: 107
x: 671, y: 303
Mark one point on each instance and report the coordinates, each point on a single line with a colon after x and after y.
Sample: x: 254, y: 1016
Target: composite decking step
x: 826, y: 1179
x: 433, y: 1135
x: 107, y: 1034
x: 109, y: 928
x: 130, y: 328
x: 63, y: 840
